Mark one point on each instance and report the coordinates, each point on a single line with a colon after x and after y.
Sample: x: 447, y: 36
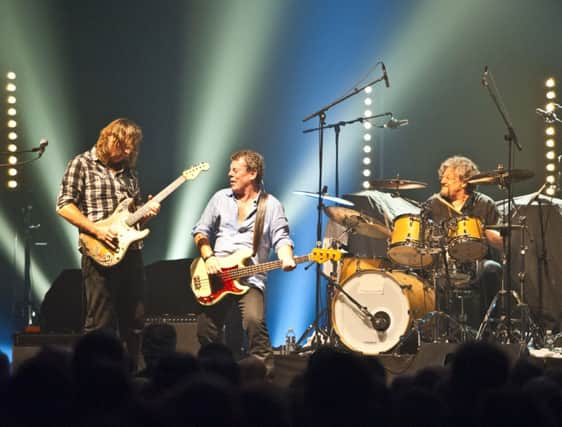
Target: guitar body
x: 126, y: 235
x: 122, y: 222
x: 211, y: 289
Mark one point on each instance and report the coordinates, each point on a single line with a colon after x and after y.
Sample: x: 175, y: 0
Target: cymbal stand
x: 321, y: 114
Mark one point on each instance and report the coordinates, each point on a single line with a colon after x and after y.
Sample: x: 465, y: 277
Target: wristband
x: 207, y: 257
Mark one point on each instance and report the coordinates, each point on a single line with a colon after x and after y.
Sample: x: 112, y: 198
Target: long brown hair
x: 119, y: 134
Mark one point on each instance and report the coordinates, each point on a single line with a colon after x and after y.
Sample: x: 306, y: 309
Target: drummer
x: 458, y: 198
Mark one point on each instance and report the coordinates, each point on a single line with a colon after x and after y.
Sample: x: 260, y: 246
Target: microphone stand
x: 321, y: 114
x: 511, y: 138
x: 39, y: 150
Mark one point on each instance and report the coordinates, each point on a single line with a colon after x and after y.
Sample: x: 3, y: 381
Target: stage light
x: 550, y: 143
x: 367, y: 137
x: 366, y: 172
x: 10, y: 75
x: 366, y: 160
x: 12, y: 124
x: 12, y: 171
x: 367, y: 125
x: 368, y: 89
x: 11, y: 111
x: 368, y: 113
x: 368, y: 101
x: 367, y: 148
x: 366, y: 185
x: 12, y: 136
x: 11, y: 99
x: 10, y: 87
x: 12, y: 184
x: 12, y: 160
x: 551, y: 190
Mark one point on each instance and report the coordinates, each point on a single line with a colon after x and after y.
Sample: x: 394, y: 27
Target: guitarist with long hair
x: 94, y: 184
x: 242, y: 218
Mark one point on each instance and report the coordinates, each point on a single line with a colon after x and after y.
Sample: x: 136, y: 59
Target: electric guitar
x: 123, y: 222
x: 210, y: 289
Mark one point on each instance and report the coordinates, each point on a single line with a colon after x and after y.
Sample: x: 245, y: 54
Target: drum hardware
x: 326, y: 197
x: 396, y: 184
x: 357, y: 222
x: 501, y: 176
x: 409, y: 240
x: 373, y: 308
x: 466, y: 240
x: 528, y: 327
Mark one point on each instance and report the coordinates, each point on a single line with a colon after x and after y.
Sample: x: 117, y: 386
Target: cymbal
x: 325, y: 197
x: 357, y: 222
x: 397, y: 184
x: 501, y: 175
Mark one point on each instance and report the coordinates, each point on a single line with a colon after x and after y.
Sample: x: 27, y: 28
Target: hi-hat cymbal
x: 357, y: 222
x: 499, y: 176
x: 325, y: 197
x: 397, y: 184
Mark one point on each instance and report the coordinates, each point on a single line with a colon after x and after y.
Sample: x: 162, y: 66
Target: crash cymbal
x: 357, y: 222
x: 397, y: 184
x: 325, y: 197
x: 499, y: 176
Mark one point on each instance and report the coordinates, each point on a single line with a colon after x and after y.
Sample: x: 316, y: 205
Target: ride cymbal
x: 325, y: 197
x: 397, y: 184
x: 499, y: 176
x: 357, y: 222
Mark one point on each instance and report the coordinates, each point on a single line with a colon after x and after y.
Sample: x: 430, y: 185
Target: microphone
x: 41, y: 149
x: 385, y: 75
x: 549, y: 116
x: 42, y: 146
x: 395, y: 123
x: 484, y: 80
x: 380, y: 321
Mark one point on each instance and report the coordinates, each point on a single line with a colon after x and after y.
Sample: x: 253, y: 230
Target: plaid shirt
x: 92, y: 187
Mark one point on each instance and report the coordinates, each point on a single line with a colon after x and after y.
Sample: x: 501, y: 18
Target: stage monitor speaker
x: 186, y: 331
x: 28, y: 345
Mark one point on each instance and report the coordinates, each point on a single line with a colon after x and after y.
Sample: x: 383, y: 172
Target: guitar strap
x: 260, y: 220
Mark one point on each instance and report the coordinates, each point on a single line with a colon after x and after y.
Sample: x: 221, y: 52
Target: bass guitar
x: 210, y: 289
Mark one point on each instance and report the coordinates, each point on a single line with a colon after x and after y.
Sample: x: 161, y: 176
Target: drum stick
x: 446, y: 203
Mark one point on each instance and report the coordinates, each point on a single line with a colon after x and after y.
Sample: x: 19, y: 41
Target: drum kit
x: 376, y: 304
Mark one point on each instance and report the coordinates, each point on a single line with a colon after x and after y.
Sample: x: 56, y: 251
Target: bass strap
x: 260, y: 220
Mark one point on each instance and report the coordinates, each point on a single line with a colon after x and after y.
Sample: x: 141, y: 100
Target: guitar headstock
x: 194, y: 171
x: 321, y: 256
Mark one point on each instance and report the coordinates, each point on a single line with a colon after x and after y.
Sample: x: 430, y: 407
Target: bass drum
x: 396, y: 296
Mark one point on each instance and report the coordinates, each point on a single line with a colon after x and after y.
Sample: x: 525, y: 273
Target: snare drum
x: 409, y: 241
x: 466, y: 240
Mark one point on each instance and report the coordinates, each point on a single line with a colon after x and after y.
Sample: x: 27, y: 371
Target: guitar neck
x: 262, y: 268
x: 136, y: 216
